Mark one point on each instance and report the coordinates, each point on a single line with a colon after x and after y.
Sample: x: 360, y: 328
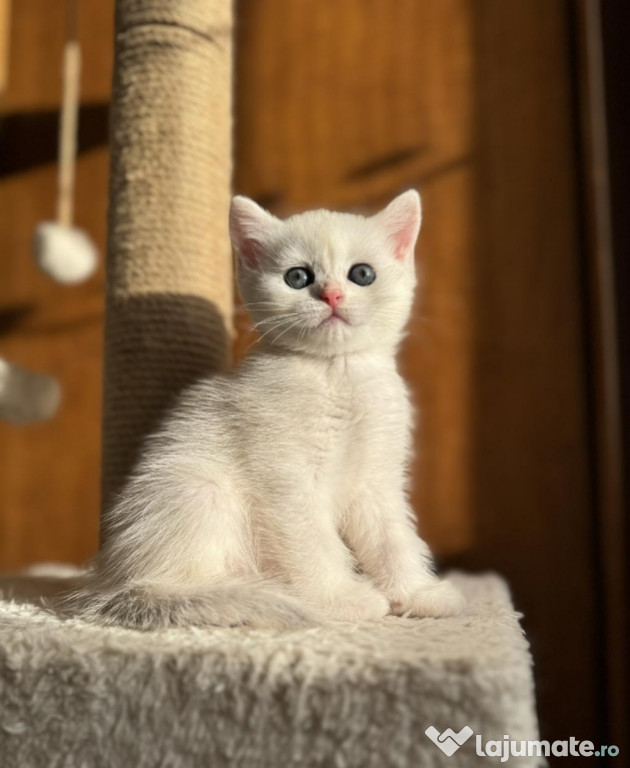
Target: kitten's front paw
x: 356, y: 602
x: 437, y: 599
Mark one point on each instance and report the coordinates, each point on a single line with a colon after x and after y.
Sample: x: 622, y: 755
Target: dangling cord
x: 69, y: 117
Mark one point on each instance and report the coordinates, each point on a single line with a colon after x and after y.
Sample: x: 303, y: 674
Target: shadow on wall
x: 30, y: 139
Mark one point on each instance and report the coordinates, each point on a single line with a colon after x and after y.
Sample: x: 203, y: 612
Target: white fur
x: 66, y: 254
x: 286, y: 479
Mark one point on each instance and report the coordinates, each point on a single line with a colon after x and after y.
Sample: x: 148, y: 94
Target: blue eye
x: 362, y: 274
x: 299, y: 277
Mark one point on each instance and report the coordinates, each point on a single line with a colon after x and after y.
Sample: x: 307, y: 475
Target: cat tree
x: 340, y: 694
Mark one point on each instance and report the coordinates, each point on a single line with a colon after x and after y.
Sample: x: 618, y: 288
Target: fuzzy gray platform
x: 74, y: 694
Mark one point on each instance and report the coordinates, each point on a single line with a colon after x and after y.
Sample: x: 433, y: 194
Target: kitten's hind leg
x: 179, y: 553
x: 176, y: 526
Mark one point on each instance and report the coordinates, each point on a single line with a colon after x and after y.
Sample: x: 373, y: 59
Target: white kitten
x: 276, y: 495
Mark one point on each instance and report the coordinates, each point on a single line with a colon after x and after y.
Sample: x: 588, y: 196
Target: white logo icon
x: 449, y: 741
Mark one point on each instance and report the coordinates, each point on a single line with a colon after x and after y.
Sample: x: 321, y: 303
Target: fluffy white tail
x: 229, y: 604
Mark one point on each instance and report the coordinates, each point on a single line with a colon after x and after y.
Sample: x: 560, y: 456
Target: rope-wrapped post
x: 169, y: 272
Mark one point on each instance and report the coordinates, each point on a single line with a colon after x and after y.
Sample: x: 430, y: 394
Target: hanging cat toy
x: 66, y: 254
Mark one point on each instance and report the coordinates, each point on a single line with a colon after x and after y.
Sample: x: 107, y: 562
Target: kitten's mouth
x: 333, y: 319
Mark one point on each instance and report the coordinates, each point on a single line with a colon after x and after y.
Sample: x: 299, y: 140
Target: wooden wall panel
x: 533, y: 484
x: 49, y: 473
x: 5, y: 21
x: 604, y: 71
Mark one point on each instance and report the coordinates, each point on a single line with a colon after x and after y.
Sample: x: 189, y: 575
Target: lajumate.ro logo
x: 449, y: 741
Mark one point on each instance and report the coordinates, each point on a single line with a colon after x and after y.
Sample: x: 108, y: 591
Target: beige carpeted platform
x: 73, y: 694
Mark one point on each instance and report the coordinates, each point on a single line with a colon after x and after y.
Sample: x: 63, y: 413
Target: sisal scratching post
x: 169, y: 272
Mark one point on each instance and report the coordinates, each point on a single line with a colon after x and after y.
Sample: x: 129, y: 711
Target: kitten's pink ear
x: 401, y: 220
x: 250, y: 227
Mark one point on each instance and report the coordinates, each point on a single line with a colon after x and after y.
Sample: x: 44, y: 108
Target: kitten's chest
x: 363, y: 406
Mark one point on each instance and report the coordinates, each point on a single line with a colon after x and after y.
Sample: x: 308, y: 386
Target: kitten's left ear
x: 401, y: 220
x: 250, y: 227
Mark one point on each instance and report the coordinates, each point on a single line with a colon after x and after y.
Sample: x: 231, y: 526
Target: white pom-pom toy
x: 63, y: 252
x: 26, y: 396
x: 66, y: 254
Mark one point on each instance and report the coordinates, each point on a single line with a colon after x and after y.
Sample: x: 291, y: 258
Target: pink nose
x: 332, y: 296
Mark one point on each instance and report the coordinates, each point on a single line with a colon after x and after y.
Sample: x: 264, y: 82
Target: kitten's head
x: 328, y: 283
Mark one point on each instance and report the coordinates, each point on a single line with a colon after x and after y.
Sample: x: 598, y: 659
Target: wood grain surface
x: 533, y: 478
x: 5, y: 22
